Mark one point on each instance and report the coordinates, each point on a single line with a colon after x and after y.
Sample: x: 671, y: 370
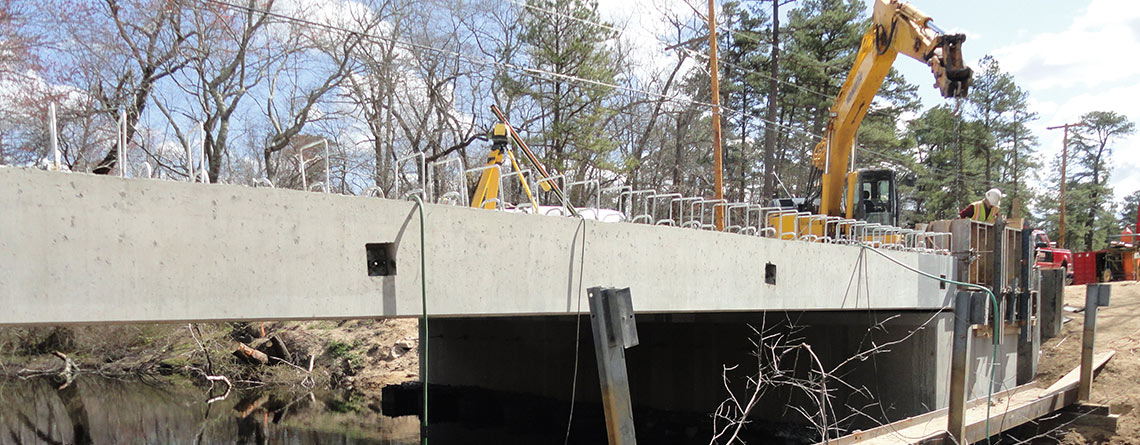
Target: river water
x: 172, y: 411
x: 96, y: 410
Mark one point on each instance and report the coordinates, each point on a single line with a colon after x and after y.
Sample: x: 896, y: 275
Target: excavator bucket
x: 956, y: 77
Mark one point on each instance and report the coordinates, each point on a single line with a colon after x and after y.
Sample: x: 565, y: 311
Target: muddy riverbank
x: 362, y: 355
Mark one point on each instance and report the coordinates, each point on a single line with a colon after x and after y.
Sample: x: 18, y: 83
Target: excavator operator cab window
x: 878, y: 197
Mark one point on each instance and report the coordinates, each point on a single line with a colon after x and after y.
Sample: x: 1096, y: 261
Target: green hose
x: 993, y: 299
x: 424, y: 321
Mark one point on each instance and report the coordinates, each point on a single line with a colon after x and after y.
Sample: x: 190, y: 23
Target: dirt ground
x: 1118, y: 384
x: 373, y: 353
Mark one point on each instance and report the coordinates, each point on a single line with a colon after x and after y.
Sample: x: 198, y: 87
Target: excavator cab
x: 873, y: 196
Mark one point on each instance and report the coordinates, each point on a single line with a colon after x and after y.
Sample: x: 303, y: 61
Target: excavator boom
x: 897, y: 27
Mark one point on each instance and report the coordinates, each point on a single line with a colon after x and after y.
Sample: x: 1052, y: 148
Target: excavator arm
x: 897, y: 27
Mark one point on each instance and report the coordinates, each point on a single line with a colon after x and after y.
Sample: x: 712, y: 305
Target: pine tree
x: 559, y: 37
x: 822, y: 42
x: 991, y: 98
x: 945, y: 180
x: 1092, y: 149
x: 744, y: 55
x: 1128, y: 209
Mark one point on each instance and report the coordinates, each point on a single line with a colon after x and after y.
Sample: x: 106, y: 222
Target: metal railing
x: 646, y: 206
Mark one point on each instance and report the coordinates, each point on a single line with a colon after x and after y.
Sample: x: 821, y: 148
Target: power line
x: 696, y: 53
x: 528, y: 71
x: 532, y: 72
x: 691, y: 51
x: 705, y: 56
x: 568, y: 16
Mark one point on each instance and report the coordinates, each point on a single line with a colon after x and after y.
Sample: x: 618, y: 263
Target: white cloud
x: 1094, y: 50
x: 642, y: 23
x: 1087, y: 67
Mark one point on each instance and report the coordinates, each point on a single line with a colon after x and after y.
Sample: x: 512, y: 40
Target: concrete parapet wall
x: 77, y: 248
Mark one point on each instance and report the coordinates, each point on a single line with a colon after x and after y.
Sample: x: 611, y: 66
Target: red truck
x: 1050, y: 257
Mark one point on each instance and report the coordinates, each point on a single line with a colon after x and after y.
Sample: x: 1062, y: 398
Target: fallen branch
x: 249, y: 355
x: 209, y: 363
x: 306, y: 382
x: 69, y: 369
x: 212, y: 379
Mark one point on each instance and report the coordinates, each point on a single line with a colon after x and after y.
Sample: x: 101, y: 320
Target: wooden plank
x: 1018, y: 411
x: 928, y: 425
x: 1011, y: 408
x: 1108, y: 422
x: 1074, y: 376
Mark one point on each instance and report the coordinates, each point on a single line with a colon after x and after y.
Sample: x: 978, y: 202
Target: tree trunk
x: 773, y: 105
x: 678, y: 153
x: 1095, y: 199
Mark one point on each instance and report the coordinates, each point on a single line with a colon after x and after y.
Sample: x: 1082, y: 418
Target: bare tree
x: 372, y: 90
x: 123, y: 49
x: 333, y: 55
x: 228, y: 57
x: 19, y: 38
x: 786, y: 362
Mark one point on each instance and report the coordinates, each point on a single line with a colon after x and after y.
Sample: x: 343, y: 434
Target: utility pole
x: 1064, y: 163
x: 718, y: 159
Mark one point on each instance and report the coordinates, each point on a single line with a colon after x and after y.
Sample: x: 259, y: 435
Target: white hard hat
x: 993, y: 197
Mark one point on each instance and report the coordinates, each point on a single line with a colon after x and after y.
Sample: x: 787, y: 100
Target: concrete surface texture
x: 79, y: 248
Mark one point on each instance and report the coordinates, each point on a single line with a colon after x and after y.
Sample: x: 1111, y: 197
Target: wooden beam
x: 1016, y: 406
x: 1074, y: 376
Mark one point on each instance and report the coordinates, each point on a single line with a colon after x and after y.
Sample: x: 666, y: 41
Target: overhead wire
x: 691, y: 51
x: 528, y: 71
x: 568, y: 16
x: 705, y: 56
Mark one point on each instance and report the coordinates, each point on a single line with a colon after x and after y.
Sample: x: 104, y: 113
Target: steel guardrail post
x: 1096, y: 295
x: 959, y: 361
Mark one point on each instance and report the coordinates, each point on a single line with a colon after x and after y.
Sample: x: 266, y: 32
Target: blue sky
x: 1072, y: 56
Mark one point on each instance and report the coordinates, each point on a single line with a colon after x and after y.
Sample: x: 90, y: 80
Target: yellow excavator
x: 897, y: 27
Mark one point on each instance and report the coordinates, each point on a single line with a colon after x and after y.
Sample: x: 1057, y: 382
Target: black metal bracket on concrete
x: 615, y: 330
x: 1096, y: 295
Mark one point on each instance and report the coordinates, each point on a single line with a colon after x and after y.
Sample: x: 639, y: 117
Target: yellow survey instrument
x: 487, y: 192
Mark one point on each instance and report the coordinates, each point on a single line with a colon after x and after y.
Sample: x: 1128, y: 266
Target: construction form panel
x: 77, y: 248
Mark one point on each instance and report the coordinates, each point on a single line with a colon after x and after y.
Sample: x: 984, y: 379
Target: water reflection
x: 98, y: 411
